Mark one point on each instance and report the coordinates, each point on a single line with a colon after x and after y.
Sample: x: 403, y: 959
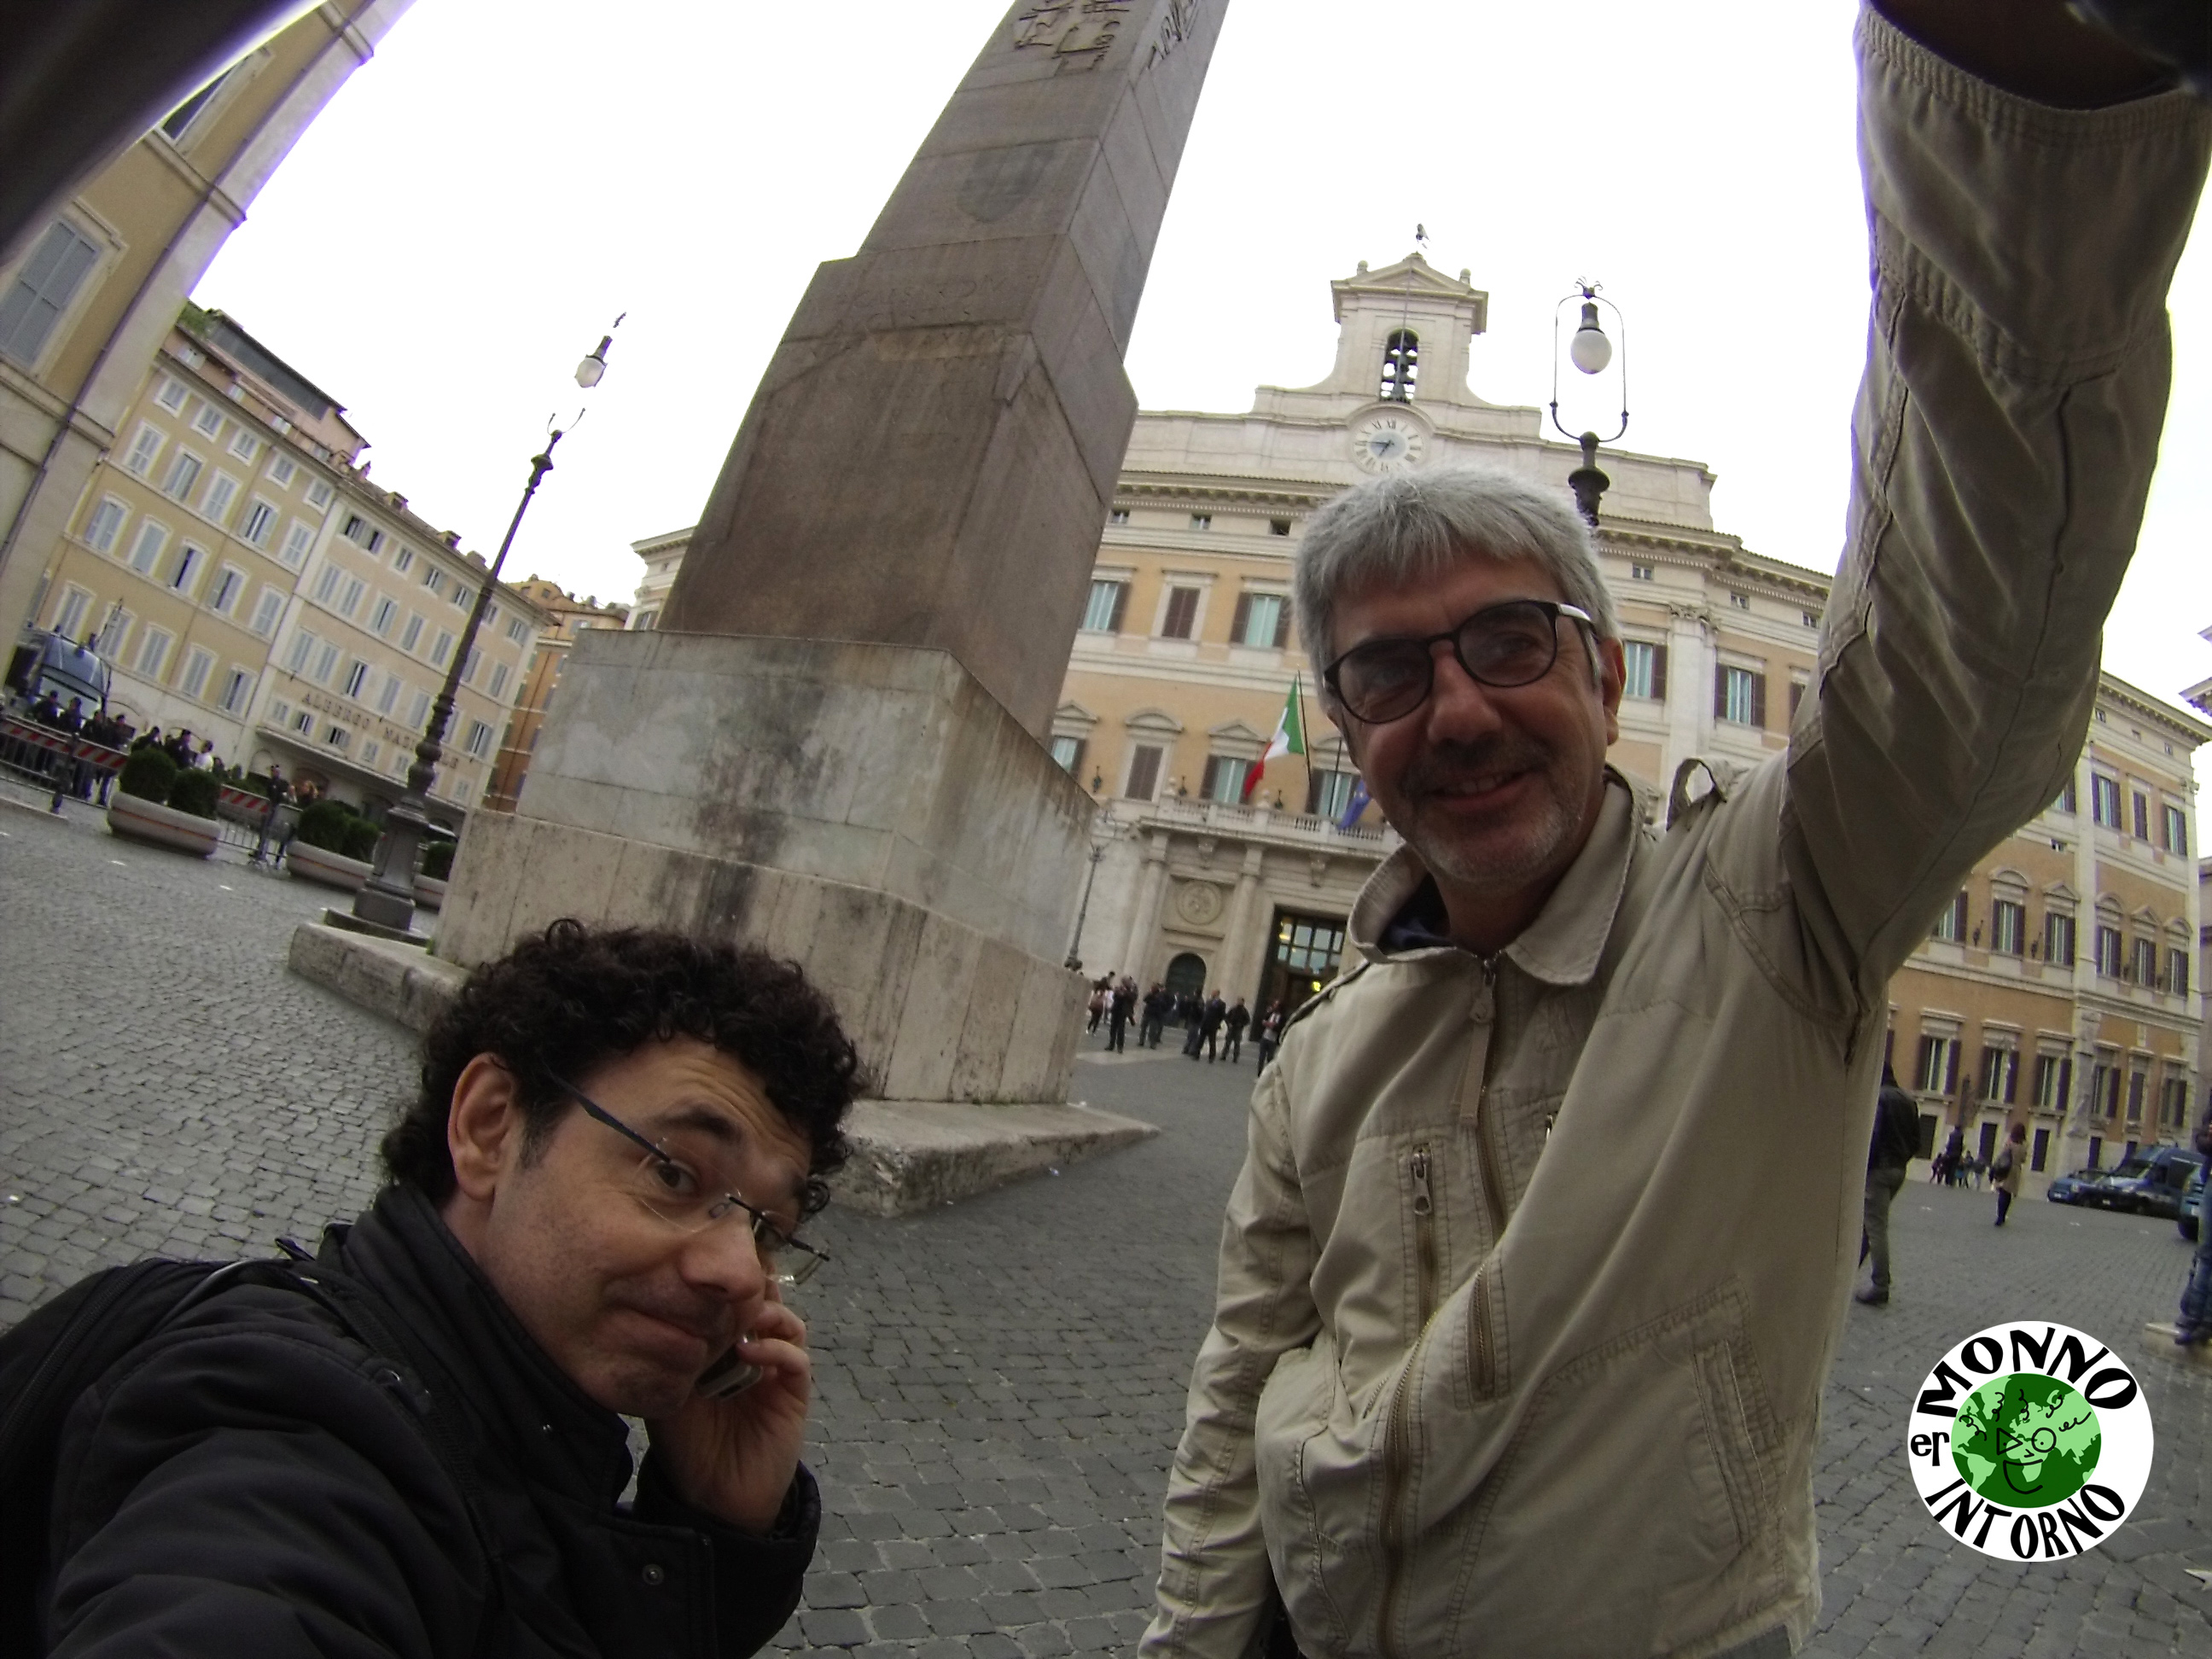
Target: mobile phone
x: 728, y: 1377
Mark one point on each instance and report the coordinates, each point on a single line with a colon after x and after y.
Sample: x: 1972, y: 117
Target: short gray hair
x: 1403, y: 526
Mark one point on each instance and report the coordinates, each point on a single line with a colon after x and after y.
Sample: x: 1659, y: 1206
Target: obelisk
x: 833, y: 747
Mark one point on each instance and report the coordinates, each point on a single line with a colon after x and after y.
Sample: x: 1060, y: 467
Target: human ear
x: 1613, y: 680
x: 483, y: 1128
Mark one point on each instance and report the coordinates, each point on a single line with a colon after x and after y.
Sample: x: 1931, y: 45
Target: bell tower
x: 1404, y: 333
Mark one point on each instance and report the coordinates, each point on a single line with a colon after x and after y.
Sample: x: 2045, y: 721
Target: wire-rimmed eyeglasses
x: 671, y: 1190
x: 1506, y: 645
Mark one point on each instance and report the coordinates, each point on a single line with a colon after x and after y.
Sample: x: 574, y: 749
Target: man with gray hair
x: 1530, y: 1282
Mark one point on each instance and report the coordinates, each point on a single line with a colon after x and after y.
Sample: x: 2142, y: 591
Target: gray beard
x: 1485, y: 874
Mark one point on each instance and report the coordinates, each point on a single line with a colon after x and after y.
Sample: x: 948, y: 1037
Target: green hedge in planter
x: 336, y: 828
x: 361, y: 839
x: 437, y: 859
x: 147, y: 775
x: 195, y: 793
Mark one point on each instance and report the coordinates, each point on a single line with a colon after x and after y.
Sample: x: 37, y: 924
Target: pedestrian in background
x: 1118, y: 1004
x: 1895, y: 1142
x: 1192, y: 1009
x: 1157, y: 1002
x: 1234, y: 1023
x: 2007, y: 1168
x: 1270, y: 1033
x: 1209, y: 1026
x: 2195, y: 1325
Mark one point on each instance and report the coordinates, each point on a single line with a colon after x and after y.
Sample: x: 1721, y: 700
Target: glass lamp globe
x: 1589, y: 350
x: 589, y: 371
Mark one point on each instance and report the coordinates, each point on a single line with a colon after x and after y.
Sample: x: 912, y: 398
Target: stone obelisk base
x: 867, y: 811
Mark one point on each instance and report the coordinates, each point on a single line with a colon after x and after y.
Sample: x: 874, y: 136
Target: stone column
x: 833, y: 745
x: 1237, y: 953
x: 1145, y: 914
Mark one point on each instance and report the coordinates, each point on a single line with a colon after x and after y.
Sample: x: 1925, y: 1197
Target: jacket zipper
x: 1485, y: 1151
x: 1482, y: 1353
x: 1397, y: 1449
x: 1425, y: 1235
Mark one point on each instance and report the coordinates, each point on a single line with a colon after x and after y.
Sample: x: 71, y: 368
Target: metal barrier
x: 32, y: 750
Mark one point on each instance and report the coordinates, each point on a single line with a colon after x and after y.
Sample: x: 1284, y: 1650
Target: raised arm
x: 1214, y: 1561
x: 2003, y: 446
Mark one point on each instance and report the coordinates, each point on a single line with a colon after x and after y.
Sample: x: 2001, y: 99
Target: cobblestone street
x: 1001, y: 1382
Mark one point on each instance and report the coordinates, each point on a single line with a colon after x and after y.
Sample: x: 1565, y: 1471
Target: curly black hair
x: 562, y: 1003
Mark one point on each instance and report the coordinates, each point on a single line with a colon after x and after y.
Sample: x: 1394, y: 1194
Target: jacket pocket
x: 1623, y: 1515
x: 1295, y: 1449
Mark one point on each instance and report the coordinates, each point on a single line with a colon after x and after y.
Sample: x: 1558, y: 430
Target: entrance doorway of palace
x: 1302, y: 954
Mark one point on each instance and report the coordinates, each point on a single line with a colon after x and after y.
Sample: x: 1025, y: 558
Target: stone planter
x: 429, y: 892
x: 139, y: 819
x: 319, y: 864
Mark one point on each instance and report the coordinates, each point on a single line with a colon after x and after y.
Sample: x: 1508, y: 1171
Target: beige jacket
x: 1531, y: 1280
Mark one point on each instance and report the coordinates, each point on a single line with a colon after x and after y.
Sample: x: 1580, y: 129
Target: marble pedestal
x: 868, y: 810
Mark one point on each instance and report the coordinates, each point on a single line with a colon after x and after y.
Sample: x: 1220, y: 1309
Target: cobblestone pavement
x: 1002, y: 1381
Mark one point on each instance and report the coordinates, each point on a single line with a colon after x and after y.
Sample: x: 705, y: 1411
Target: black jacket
x: 1896, y: 1140
x: 256, y: 1482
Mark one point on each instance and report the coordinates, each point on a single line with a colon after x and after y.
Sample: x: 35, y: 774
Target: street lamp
x: 1590, y: 351
x: 386, y: 902
x: 1104, y: 831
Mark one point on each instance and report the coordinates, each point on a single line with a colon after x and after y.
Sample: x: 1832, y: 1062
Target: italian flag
x: 1289, y: 739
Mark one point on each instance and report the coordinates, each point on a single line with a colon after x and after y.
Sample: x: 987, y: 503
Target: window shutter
x: 1144, y: 773
x: 1796, y: 699
x: 1121, y: 604
x: 1313, y: 792
x: 1243, y: 618
x: 1282, y: 624
x: 1759, y: 701
x: 1075, y: 767
x: 1212, y: 775
x: 1659, y: 672
x: 1720, y: 693
x: 1951, y: 1067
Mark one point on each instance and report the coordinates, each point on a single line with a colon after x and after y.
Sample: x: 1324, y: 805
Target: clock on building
x: 1387, y: 443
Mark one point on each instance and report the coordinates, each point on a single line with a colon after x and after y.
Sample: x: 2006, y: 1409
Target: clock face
x: 1387, y: 443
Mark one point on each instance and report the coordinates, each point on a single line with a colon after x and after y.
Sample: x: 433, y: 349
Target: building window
x: 43, y: 289
x: 105, y: 523
x: 326, y: 583
x: 171, y: 397
x: 350, y: 600
x: 153, y: 652
x: 266, y: 610
x: 281, y: 472
x: 2104, y: 801
x: 1640, y: 573
x: 2054, y: 1075
x: 337, y: 737
x: 441, y: 650
x: 187, y: 572
x: 1101, y: 614
x: 208, y: 422
x: 419, y: 709
x: 245, y: 445
x: 2177, y: 829
x: 463, y: 598
x: 237, y: 688
x: 295, y: 660
x: 1329, y: 794
x: 1202, y: 521
x: 434, y: 579
x: 1067, y: 753
x: 183, y: 472
x: 1812, y: 618
x: 382, y: 615
x: 412, y: 633
x: 2058, y: 939
x: 2177, y: 972
x: 260, y: 520
x: 199, y: 663
x: 518, y: 631
x: 1741, y: 601
x: 479, y: 743
x: 369, y: 752
x: 1224, y: 779
x: 470, y: 664
x: 2173, y: 1112
x: 1182, y: 613
x: 2142, y: 968
x: 1401, y: 367
x: 1262, y: 619
x: 356, y: 676
x: 227, y: 587
x: 297, y: 541
x: 497, y: 689
x: 1144, y: 773
x: 2142, y: 805
x: 1951, y: 923
x: 112, y: 632
x: 2108, y: 951
x: 327, y: 662
x: 404, y: 560
x: 2136, y: 1080
x: 180, y: 119
x: 2068, y: 801
x: 2000, y: 1074
x: 69, y: 617
x: 145, y: 450
x: 1278, y: 526
x: 319, y: 493
x: 1117, y: 515
x: 1645, y: 670
x: 1740, y: 697
x: 146, y: 552
x: 1937, y: 1073
x: 2008, y: 927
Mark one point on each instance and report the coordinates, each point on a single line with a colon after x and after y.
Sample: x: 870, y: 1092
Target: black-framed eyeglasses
x: 1506, y: 645
x: 668, y: 1187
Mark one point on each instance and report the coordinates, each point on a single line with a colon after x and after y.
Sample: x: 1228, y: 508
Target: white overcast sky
x: 483, y: 198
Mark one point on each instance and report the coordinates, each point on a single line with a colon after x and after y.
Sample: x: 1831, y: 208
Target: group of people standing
x: 1212, y: 1026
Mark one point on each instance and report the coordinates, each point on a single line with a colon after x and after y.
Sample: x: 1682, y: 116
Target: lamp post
x: 386, y: 902
x: 1103, y: 833
x: 1590, y: 351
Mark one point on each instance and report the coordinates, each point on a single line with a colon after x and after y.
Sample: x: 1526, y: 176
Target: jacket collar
x: 1399, y: 913
x: 403, y: 1251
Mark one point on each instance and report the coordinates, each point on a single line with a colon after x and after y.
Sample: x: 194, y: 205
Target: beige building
x: 233, y: 562
x: 88, y: 298
x: 568, y: 616
x: 664, y: 557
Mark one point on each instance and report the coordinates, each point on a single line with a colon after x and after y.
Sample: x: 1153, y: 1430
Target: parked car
x: 2193, y: 1207
x: 2076, y: 1188
x: 2149, y: 1182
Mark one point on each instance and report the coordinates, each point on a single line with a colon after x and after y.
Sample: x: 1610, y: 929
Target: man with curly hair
x: 414, y: 1445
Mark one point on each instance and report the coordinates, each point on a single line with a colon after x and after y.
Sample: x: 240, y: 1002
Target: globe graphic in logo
x: 2025, y: 1441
